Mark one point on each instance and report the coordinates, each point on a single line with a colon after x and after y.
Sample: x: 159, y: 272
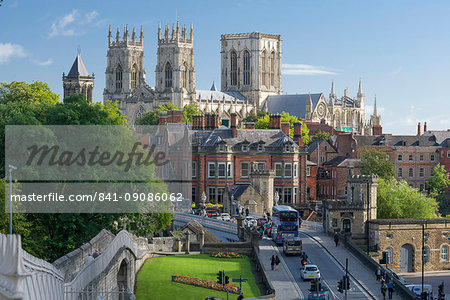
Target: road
x: 434, y: 279
x: 331, y: 271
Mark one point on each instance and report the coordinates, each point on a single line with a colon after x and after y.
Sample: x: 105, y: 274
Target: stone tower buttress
x: 125, y: 69
x: 175, y: 70
x: 78, y: 80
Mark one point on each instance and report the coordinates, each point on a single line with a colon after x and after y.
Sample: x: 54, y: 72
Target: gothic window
x: 272, y: 69
x: 139, y: 113
x: 118, y: 77
x: 168, y: 75
x: 246, y: 68
x: 233, y: 68
x: 134, y: 77
x: 263, y: 67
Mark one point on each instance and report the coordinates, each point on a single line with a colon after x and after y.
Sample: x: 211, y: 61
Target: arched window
x: 168, y: 75
x: 390, y: 253
x: 118, y: 77
x: 246, y: 68
x: 263, y: 67
x: 272, y: 69
x: 233, y: 68
x: 139, y: 114
x: 444, y: 252
x: 185, y: 76
x: 134, y: 77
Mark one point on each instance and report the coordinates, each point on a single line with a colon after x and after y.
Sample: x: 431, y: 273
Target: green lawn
x: 154, y: 281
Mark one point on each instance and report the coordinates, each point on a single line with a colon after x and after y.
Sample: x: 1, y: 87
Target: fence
x: 91, y: 293
x: 312, y: 225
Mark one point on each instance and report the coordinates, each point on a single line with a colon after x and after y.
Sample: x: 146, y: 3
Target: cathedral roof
x: 396, y: 140
x: 295, y: 105
x: 78, y: 68
x: 213, y: 87
x: 218, y: 95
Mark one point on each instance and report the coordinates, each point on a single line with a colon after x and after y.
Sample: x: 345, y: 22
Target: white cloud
x: 301, y: 69
x: 45, y: 63
x: 9, y: 51
x: 73, y: 23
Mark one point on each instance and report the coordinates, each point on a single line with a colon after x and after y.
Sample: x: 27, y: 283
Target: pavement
x: 365, y: 276
x: 282, y: 280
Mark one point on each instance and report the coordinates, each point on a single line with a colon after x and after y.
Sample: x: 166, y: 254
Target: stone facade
x: 78, y: 80
x: 403, y: 240
x: 251, y: 65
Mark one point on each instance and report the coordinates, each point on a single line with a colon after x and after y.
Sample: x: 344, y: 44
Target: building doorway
x: 347, y: 225
x: 407, y: 258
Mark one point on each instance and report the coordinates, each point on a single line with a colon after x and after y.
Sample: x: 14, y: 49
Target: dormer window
x: 222, y: 148
x: 245, y: 148
x: 287, y: 148
x: 260, y: 147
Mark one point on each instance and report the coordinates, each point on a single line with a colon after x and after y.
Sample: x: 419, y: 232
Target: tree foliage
x: 374, y: 162
x: 397, y: 200
x: 152, y: 117
x: 438, y: 183
x: 321, y: 135
x: 50, y: 236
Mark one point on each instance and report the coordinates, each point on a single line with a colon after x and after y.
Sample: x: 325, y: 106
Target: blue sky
x: 400, y: 49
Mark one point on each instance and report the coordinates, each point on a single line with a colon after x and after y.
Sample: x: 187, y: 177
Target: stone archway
x: 122, y: 276
x: 407, y: 258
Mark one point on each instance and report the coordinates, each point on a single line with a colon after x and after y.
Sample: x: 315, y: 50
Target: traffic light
x: 340, y: 286
x: 227, y: 279
x: 347, y: 283
x: 220, y: 277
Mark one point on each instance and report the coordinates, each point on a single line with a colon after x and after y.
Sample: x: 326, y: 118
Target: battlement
x: 254, y: 34
x: 176, y: 36
x: 126, y: 41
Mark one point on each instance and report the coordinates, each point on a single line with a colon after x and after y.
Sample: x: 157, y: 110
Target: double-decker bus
x: 284, y: 223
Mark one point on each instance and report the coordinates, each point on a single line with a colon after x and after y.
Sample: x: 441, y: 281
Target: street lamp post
x: 203, y: 207
x: 11, y: 168
x: 423, y: 250
x: 276, y: 197
x: 233, y: 205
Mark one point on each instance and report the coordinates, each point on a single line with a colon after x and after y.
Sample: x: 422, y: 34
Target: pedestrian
x: 89, y: 259
x: 240, y: 297
x: 390, y: 286
x: 277, y: 262
x: 378, y: 273
x: 237, y: 211
x: 261, y: 232
x: 272, y: 262
x: 336, y: 239
x: 383, y: 290
x: 96, y: 253
x: 247, y: 212
x: 385, y: 276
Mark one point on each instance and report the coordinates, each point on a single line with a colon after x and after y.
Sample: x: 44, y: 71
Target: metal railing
x: 91, y: 293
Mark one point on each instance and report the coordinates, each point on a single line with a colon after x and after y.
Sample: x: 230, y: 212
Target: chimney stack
x: 175, y: 116
x: 163, y: 117
x: 233, y: 124
x: 249, y: 125
x: 298, y: 133
x: 377, y: 130
x: 285, y: 127
x: 425, y: 127
x: 274, y: 122
x: 418, y: 129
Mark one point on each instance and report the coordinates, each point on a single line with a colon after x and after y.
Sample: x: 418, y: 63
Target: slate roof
x: 396, y: 140
x: 446, y: 143
x: 196, y: 227
x: 238, y: 190
x: 313, y: 146
x: 440, y: 135
x: 271, y: 138
x: 78, y: 68
x: 218, y: 95
x: 335, y: 162
x: 295, y: 105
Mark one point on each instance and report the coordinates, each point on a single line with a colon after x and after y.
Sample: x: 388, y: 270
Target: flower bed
x: 226, y: 255
x: 209, y: 284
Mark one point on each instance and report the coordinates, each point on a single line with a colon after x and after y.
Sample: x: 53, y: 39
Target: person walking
x: 336, y: 239
x: 277, y: 262
x: 383, y: 290
x: 378, y: 273
x: 261, y: 232
x: 96, y: 253
x: 272, y: 262
x: 390, y: 286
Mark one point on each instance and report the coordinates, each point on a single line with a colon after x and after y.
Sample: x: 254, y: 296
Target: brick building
x: 224, y: 159
x: 321, y: 151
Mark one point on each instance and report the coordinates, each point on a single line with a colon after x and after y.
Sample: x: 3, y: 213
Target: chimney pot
x: 418, y: 129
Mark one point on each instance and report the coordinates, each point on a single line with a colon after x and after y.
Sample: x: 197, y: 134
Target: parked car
x: 309, y: 272
x: 417, y: 289
x: 212, y: 213
x: 224, y: 217
x: 250, y: 221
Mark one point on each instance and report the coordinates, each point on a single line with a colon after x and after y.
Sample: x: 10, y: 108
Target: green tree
x: 264, y: 120
x: 189, y: 111
x: 152, y: 117
x: 438, y: 183
x: 397, y: 200
x: 374, y: 162
x: 321, y: 135
x: 30, y: 93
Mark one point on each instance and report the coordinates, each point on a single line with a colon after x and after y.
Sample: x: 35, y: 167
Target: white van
x: 292, y: 245
x: 417, y: 289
